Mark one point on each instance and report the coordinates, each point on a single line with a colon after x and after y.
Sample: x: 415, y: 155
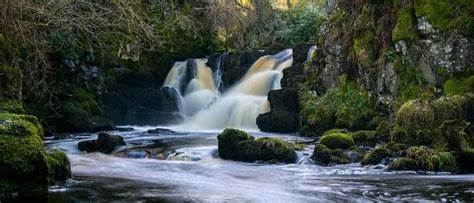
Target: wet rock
x: 124, y: 129
x: 238, y: 145
x: 324, y: 156
x: 161, y: 131
x: 281, y: 121
x: 403, y: 164
x: 59, y: 164
x: 284, y: 99
x: 105, y: 143
x: 376, y: 156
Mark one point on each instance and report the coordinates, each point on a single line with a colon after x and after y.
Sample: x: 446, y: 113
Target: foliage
x: 457, y: 86
x: 404, y: 30
x: 428, y: 159
x: 447, y: 14
x: 346, y: 106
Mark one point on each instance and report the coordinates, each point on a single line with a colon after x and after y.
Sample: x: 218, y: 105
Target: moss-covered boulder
x: 430, y: 160
x: 461, y: 141
x: 228, y: 140
x: 238, y: 145
x: 403, y: 164
x: 324, y: 156
x: 266, y: 149
x: 376, y: 156
x: 59, y: 164
x: 12, y: 106
x: 25, y: 167
x: 364, y: 137
x: 337, y: 141
x: 415, y: 124
x: 449, y: 108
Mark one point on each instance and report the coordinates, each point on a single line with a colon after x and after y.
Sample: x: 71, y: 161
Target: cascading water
x: 240, y: 105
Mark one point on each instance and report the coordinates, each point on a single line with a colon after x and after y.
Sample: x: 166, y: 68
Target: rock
x: 431, y: 160
x: 280, y: 121
x: 88, y: 146
x: 105, y: 143
x: 25, y: 167
x: 364, y: 137
x: 124, y: 129
x: 228, y: 140
x: 238, y: 145
x: 326, y: 157
x: 59, y: 164
x: 266, y: 149
x: 284, y: 99
x: 403, y: 164
x: 161, y: 131
x: 376, y: 156
x: 168, y: 99
x: 337, y: 141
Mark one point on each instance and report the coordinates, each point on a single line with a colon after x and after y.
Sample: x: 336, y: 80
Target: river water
x: 186, y: 167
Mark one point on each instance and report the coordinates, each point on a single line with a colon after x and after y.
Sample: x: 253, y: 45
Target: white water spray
x: 240, y: 105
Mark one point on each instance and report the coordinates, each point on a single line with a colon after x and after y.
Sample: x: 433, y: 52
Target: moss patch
x: 430, y: 160
x: 447, y: 14
x: 364, y: 137
x: 458, y: 86
x: 375, y: 156
x: 59, y: 164
x: 324, y: 156
x: 337, y: 141
x: 404, y: 30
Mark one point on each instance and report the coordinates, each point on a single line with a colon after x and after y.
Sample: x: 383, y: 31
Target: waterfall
x: 311, y: 51
x: 239, y: 105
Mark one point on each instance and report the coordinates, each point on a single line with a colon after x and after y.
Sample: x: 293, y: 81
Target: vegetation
x: 337, y: 140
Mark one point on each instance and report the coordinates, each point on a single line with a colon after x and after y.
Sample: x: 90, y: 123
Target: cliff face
x: 387, y: 52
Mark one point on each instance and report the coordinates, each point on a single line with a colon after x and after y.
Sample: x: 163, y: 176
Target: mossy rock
x: 376, y: 156
x: 383, y: 129
x: 59, y: 164
x: 337, y: 141
x: 449, y: 108
x: 324, y: 156
x: 228, y: 140
x: 403, y: 164
x: 430, y: 160
x: 266, y: 149
x: 23, y: 164
x: 405, y: 28
x: 455, y: 86
x: 364, y: 137
x: 415, y: 124
x: 396, y: 147
x: 447, y: 15
x: 461, y: 141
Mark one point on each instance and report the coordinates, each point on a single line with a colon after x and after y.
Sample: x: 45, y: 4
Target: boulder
x: 284, y: 99
x: 161, y: 131
x: 337, y: 141
x: 324, y: 156
x: 238, y: 145
x: 280, y: 121
x: 25, y: 167
x: 402, y: 164
x: 228, y: 140
x: 266, y: 149
x: 105, y: 143
x: 376, y: 156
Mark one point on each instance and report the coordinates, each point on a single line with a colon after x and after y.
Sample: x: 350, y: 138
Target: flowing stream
x: 185, y: 166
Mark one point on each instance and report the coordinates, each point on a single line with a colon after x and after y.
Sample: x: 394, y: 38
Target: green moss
x: 23, y: 166
x: 447, y: 14
x: 347, y: 106
x: 10, y: 82
x: 458, y: 86
x: 375, y: 156
x: 403, y: 164
x: 404, y: 29
x: 266, y: 149
x: 364, y: 48
x: 337, y: 141
x: 456, y: 134
x: 415, y: 124
x: 383, y: 129
x: 59, y: 164
x: 337, y: 130
x: 430, y: 160
x: 228, y: 140
x: 325, y: 156
x: 364, y: 137
x: 11, y: 106
x: 449, y: 108
x: 396, y: 147
x: 410, y: 81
